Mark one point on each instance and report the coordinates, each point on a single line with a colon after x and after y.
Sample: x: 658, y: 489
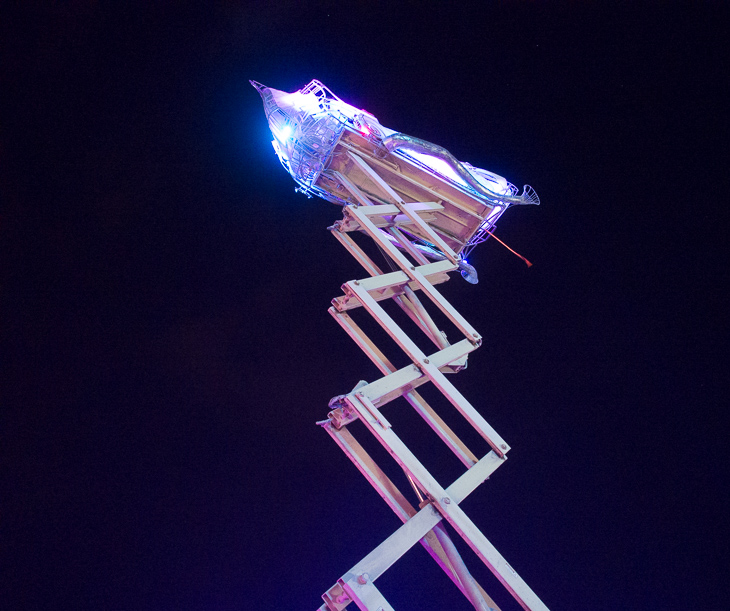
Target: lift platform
x: 423, y: 214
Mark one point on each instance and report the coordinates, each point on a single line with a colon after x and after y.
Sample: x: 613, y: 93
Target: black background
x: 166, y: 345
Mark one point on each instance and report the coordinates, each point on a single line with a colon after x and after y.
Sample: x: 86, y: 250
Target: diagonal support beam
x: 395, y: 500
x: 415, y: 274
x: 380, y: 212
x: 424, y: 364
x: 421, y: 407
x: 403, y: 207
x: 419, y: 525
x: 448, y: 507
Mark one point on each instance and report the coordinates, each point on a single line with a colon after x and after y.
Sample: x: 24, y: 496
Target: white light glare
x: 283, y: 133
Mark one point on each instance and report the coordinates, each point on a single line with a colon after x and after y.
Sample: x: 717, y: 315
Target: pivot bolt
x: 446, y: 500
x: 363, y: 579
x: 503, y: 446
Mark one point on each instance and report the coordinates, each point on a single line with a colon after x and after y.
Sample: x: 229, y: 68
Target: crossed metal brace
x: 384, y: 223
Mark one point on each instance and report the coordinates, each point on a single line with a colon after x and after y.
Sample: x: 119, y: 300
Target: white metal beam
x: 415, y: 274
x: 419, y: 525
x: 424, y: 364
x: 370, y: 214
x: 449, y: 508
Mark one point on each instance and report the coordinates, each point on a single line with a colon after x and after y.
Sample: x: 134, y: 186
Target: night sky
x: 166, y: 347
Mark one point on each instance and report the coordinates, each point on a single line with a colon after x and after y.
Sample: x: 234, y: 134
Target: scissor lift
x: 395, y: 208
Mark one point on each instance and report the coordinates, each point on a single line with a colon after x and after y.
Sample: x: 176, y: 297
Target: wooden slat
x: 452, y: 512
x: 439, y: 379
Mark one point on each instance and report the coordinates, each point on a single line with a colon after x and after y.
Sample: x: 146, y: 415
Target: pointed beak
x: 259, y: 87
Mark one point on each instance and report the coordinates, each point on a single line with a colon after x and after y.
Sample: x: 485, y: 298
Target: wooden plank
x: 418, y: 527
x: 452, y: 441
x: 385, y: 387
x: 433, y: 331
x: 452, y: 512
x: 394, y: 498
x: 463, y: 211
x: 388, y: 491
x: 357, y: 252
x: 407, y: 304
x: 416, y: 275
x: 391, y: 209
x: 407, y: 244
x: 402, y: 207
x: 466, y: 203
x: 422, y: 408
x: 378, y: 283
x: 347, y: 303
x: 363, y: 341
x: 423, y: 362
x: 386, y: 286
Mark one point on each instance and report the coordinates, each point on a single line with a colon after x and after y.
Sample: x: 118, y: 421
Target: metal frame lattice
x: 411, y: 277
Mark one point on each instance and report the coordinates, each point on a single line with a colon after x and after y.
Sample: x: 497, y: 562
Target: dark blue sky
x: 167, y: 350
